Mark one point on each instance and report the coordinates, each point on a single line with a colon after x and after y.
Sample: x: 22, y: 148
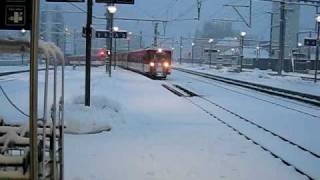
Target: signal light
x: 102, y: 53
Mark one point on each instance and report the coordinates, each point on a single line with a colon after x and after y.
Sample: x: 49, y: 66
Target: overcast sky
x: 178, y: 10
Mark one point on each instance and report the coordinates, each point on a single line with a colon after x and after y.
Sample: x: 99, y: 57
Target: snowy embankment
x: 78, y: 118
x: 290, y: 81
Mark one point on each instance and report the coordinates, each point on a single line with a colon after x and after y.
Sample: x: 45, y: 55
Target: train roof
x: 150, y: 49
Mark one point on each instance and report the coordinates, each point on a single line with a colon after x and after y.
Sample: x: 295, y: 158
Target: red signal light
x: 102, y: 53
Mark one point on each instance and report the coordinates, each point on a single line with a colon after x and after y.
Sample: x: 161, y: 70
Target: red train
x: 151, y: 62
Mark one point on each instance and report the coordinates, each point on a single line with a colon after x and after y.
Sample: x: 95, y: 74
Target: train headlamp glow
x: 160, y: 50
x: 151, y: 64
x: 166, y: 64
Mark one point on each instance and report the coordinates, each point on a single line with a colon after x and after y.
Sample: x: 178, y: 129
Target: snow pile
x: 94, y: 119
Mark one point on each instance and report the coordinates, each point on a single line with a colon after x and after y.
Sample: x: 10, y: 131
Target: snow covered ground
x: 13, y: 68
x: 155, y: 134
x: 291, y: 81
x: 296, y: 122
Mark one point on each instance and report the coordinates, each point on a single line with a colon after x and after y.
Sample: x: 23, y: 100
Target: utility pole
x: 111, y: 10
x: 88, y: 52
x: 192, y: 53
x: 309, y: 48
x: 199, y: 4
x: 155, y: 39
x: 115, y: 54
x: 271, y: 31
x: 317, y: 49
x: 282, y: 35
x: 108, y: 39
x: 74, y: 42
x: 181, y: 46
x: 33, y: 92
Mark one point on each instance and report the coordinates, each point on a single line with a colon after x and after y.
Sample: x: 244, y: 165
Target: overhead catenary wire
x: 12, y: 103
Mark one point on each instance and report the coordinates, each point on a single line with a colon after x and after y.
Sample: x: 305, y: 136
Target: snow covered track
x: 304, y: 161
x: 303, y: 97
x: 307, y: 162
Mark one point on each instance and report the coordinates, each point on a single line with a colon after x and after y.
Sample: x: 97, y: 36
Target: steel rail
x: 299, y: 96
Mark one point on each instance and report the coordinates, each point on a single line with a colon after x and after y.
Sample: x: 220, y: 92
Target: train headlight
x: 151, y: 64
x: 166, y: 64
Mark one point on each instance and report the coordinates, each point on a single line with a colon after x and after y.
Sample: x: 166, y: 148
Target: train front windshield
x: 161, y: 57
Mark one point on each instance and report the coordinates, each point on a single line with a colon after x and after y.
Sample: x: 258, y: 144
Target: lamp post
x: 299, y: 47
x: 88, y: 53
x: 23, y: 33
x: 317, y: 49
x: 66, y: 32
x: 242, y: 35
x: 112, y: 10
x: 258, y: 52
x: 115, y: 29
x: 181, y: 46
x: 129, y: 34
x: 210, y: 51
x: 192, y: 53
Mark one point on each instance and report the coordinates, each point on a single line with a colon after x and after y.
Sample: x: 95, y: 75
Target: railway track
x: 274, y: 143
x: 288, y: 104
x: 298, y: 96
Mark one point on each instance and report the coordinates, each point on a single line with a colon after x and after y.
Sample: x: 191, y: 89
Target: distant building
x: 52, y: 24
x: 292, y: 27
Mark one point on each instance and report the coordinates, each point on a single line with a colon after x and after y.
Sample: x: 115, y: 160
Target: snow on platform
x: 155, y: 134
x: 290, y: 81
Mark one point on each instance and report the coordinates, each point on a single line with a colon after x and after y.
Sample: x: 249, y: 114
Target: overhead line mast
x: 199, y: 5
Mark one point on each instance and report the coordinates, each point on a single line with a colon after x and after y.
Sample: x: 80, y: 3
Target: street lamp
x: 128, y: 38
x: 23, y: 33
x: 66, y: 32
x: 299, y: 47
x: 111, y: 10
x: 258, y: 52
x: 192, y: 53
x: 210, y: 51
x: 317, y: 49
x: 115, y: 29
x: 242, y: 35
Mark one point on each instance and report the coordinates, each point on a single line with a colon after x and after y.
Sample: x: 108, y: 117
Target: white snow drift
x: 80, y: 119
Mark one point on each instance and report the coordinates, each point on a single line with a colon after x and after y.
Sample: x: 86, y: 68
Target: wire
x: 11, y: 102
